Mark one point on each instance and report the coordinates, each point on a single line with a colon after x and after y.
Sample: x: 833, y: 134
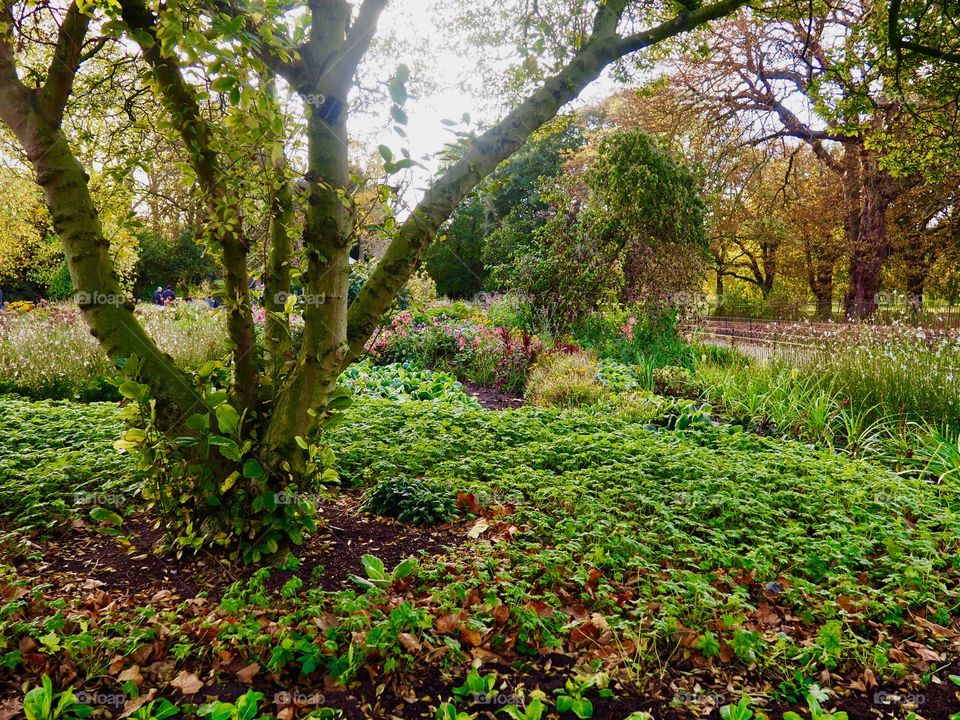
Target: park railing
x: 887, y: 312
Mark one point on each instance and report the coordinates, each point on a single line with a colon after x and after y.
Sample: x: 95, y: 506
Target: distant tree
x: 178, y: 263
x: 507, y: 205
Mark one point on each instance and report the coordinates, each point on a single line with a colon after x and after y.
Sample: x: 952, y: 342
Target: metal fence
x: 930, y: 315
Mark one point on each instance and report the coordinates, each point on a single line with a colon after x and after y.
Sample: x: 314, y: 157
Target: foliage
x: 41, y: 703
x: 468, y: 348
x: 57, y: 462
x: 180, y: 264
x: 679, y: 516
x: 696, y: 537
x: 29, y: 252
x: 404, y: 382
x: 475, y: 240
x: 646, y: 203
x: 642, y: 334
x: 377, y: 575
x: 564, y: 380
x: 212, y: 483
x: 412, y: 500
x: 454, y: 260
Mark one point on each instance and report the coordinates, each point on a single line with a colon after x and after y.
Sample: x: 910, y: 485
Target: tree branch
x: 180, y: 102
x: 498, y: 143
x: 67, y: 56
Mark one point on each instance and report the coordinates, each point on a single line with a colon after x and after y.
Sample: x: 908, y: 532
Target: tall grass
x: 49, y: 352
x: 895, y: 372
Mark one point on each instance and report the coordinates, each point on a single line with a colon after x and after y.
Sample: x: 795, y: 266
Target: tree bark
x: 35, y: 122
x: 870, y: 245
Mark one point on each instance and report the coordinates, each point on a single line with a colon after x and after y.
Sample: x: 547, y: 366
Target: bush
x: 467, y: 348
x: 672, y: 380
x: 514, y: 312
x: 643, y: 334
x: 417, y: 501
x: 564, y: 380
x: 405, y: 382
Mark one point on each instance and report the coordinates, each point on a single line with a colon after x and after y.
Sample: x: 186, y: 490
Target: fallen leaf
x: 409, y: 642
x: 470, y: 636
x: 187, y: 682
x: 478, y: 529
x: 134, y: 704
x: 246, y: 674
x: 131, y: 674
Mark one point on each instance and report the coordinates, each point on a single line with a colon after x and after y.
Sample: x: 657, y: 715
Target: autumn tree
x: 826, y: 79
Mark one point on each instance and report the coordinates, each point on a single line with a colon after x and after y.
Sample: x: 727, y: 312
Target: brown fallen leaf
x: 470, y: 636
x: 134, y: 704
x: 447, y: 624
x: 409, y: 642
x: 131, y: 674
x: 187, y: 683
x: 247, y: 674
x: 10, y: 709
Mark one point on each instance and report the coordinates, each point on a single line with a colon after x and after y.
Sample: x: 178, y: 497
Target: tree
x: 834, y: 65
x: 29, y: 254
x: 647, y: 205
x: 236, y: 449
x: 926, y: 227
x: 623, y: 223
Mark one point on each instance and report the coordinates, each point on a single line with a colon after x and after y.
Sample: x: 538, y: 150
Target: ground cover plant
x: 649, y: 557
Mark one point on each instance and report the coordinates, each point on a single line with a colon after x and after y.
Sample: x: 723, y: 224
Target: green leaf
x: 228, y: 420
x: 253, y: 470
x: 106, y: 516
x: 131, y: 390
x: 223, y: 84
x: 199, y: 423
x: 405, y: 568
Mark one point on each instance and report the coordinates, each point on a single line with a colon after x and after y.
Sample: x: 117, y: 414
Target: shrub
x: 405, y: 382
x: 467, y: 348
x: 618, y: 377
x: 672, y: 380
x: 564, y: 380
x: 417, y: 501
x: 638, y: 334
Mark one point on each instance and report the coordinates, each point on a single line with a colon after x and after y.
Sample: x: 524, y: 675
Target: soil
x: 89, y: 559
x: 493, y: 398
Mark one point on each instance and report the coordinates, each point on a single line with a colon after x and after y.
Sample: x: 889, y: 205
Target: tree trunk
x: 823, y: 291
x: 868, y: 239
x: 76, y: 221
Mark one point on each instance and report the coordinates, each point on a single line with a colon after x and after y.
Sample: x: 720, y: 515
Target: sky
x: 412, y: 22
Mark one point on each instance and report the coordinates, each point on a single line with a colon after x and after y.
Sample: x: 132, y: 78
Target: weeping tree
x: 231, y: 450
